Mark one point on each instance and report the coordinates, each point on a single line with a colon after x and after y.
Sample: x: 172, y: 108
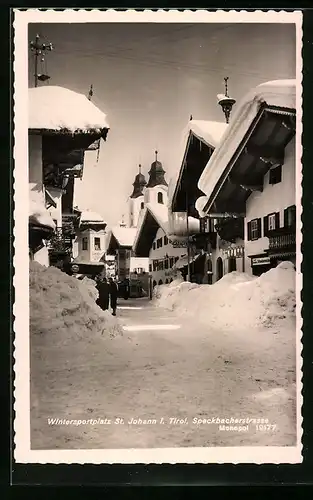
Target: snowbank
x: 64, y: 308
x: 237, y: 299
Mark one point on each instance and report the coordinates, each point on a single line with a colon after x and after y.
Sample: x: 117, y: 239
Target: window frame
x: 94, y: 243
x: 277, y: 168
x: 160, y: 197
x: 84, y: 243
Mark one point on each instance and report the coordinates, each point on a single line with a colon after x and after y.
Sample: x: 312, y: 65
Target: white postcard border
x: 217, y: 455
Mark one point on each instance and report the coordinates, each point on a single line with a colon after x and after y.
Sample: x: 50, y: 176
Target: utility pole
x: 40, y: 49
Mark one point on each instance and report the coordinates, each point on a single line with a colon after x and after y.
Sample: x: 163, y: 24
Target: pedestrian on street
x: 126, y: 289
x: 113, y: 291
x: 103, y: 289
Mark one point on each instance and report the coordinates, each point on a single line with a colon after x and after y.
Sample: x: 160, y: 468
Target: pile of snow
x: 38, y: 214
x: 64, y: 307
x: 58, y: 108
x: 236, y: 299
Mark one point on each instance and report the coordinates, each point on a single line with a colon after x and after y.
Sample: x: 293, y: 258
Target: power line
x: 175, y: 65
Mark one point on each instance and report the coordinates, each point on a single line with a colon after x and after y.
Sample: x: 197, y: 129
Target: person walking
x: 113, y: 291
x: 126, y: 289
x: 103, y: 289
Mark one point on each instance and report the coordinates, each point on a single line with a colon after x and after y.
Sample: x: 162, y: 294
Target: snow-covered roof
x: 278, y: 93
x: 210, y: 132
x: 39, y: 215
x: 89, y: 216
x: 124, y: 235
x: 58, y: 108
x: 207, y: 131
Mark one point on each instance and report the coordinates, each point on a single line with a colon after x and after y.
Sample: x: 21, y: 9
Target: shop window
x: 165, y: 240
x: 85, y: 243
x: 97, y: 244
x: 290, y: 216
x: 254, y: 229
x: 275, y: 175
x: 150, y: 268
x: 160, y: 198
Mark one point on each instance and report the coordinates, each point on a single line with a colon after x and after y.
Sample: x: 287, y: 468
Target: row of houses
x: 62, y: 126
x: 232, y: 205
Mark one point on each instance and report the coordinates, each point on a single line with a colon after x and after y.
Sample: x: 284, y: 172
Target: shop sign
x: 260, y: 261
x: 234, y: 252
x: 179, y: 243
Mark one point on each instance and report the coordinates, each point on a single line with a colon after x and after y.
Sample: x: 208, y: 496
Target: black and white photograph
x: 157, y: 237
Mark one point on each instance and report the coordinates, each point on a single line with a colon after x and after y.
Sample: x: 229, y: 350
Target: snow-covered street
x: 163, y: 366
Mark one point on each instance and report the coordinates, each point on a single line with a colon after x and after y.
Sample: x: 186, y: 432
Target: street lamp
x: 226, y: 102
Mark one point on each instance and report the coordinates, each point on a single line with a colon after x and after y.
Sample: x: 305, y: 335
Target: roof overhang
x: 262, y: 146
x: 263, y: 123
x: 146, y: 233
x: 197, y: 154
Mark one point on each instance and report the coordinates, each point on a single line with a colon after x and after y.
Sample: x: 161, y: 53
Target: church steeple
x: 156, y: 174
x: 138, y: 184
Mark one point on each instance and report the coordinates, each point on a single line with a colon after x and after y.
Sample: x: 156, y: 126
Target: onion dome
x: 156, y: 174
x: 138, y: 184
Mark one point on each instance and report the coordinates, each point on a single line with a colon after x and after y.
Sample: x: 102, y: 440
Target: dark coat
x: 113, y: 291
x: 103, y: 299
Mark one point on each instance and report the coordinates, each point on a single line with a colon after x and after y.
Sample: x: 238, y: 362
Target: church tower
x: 157, y: 187
x: 136, y: 200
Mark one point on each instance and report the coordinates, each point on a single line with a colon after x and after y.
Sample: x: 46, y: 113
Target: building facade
x: 57, y: 143
x: 250, y: 180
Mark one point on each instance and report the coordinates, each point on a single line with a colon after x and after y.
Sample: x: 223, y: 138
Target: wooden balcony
x: 282, y: 239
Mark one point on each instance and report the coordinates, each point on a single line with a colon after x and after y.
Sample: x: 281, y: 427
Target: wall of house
x: 221, y: 252
x: 274, y: 198
x: 159, y: 253
x: 35, y: 178
x: 91, y: 254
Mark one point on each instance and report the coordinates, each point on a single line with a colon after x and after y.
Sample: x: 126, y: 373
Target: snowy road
x: 164, y: 367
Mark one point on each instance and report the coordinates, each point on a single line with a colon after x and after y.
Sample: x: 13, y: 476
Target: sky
x: 149, y: 79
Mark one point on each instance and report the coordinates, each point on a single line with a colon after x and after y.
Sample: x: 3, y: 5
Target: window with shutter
x: 271, y: 222
x: 277, y: 220
x: 275, y: 175
x: 265, y: 225
x: 290, y: 216
x: 259, y: 224
x: 255, y: 229
x: 249, y: 231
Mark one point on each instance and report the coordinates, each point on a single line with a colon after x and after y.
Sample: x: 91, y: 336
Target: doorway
x: 219, y: 269
x: 232, y: 265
